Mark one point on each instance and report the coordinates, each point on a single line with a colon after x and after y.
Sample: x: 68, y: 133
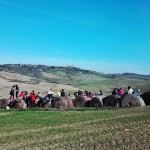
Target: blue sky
x: 110, y: 36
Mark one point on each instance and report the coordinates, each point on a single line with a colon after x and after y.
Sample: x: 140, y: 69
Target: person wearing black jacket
x: 17, y: 91
x: 12, y: 92
x: 63, y: 93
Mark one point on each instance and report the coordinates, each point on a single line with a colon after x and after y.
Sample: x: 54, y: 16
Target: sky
x: 109, y: 36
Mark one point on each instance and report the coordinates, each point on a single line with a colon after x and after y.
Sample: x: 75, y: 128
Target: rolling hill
x: 42, y: 78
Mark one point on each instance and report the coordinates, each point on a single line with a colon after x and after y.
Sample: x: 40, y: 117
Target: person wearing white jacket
x: 130, y: 90
x: 50, y: 94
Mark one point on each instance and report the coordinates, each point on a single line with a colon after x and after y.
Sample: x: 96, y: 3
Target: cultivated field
x: 87, y: 129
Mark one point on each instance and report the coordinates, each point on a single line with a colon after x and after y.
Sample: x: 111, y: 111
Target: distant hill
x: 28, y: 69
x: 129, y: 76
x: 37, y: 70
x: 42, y: 77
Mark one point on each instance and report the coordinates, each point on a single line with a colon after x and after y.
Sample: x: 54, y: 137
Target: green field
x: 95, y: 82
x: 87, y: 128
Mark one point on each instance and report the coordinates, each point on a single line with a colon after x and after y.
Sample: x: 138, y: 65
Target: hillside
x: 41, y: 78
x: 129, y: 76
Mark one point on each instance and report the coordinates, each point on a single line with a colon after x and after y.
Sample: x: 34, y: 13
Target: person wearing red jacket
x: 33, y: 97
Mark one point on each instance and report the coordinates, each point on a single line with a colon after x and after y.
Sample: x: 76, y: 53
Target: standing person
x: 12, y: 92
x: 33, y: 97
x: 27, y: 99
x: 17, y: 91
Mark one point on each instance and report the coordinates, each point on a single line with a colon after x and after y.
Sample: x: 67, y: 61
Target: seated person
x: 63, y: 94
x: 130, y: 90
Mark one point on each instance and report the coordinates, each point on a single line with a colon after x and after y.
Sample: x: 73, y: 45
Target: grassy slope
x: 90, y: 129
x: 90, y: 82
x: 94, y: 82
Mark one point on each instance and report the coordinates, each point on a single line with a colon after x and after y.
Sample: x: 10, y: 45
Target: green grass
x: 80, y: 128
x: 94, y: 82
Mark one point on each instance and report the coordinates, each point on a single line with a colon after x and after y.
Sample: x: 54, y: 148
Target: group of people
x: 23, y: 95
x: 120, y: 91
x: 14, y: 91
x: 30, y: 98
x: 60, y: 93
x: 87, y: 93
